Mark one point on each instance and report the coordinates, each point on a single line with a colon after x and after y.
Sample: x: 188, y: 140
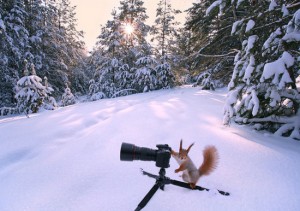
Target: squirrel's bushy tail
x: 210, y: 160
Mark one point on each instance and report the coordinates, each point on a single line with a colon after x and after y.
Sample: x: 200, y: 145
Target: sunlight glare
x: 129, y: 29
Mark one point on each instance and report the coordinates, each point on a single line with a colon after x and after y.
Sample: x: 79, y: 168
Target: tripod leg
x: 149, y: 175
x: 147, y: 198
x: 186, y: 185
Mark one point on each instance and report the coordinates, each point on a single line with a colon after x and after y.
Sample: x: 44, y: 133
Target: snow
x: 237, y: 57
x: 272, y: 5
x: 249, y: 70
x: 36, y: 39
x: 239, y: 2
x: 293, y: 29
x: 278, y: 71
x: 212, y: 6
x: 250, y: 44
x: 292, y: 37
x: 142, y: 71
x: 275, y: 97
x: 69, y: 159
x: 254, y: 102
x: 288, y: 59
x: 235, y: 25
x: 250, y: 25
x: 285, y: 11
x: 145, y: 60
x: 2, y: 26
x: 273, y: 39
x: 294, y: 23
x: 114, y: 62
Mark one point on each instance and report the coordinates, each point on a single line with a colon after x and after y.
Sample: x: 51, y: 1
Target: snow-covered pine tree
x: 30, y: 92
x: 13, y: 47
x: 134, y: 30
x: 34, y: 24
x: 61, y: 46
x: 107, y: 58
x: 43, y: 32
x: 165, y: 34
x: 96, y: 60
x: 110, y: 41
x: 6, y: 77
x: 107, y: 77
x: 213, y: 46
x: 68, y: 97
x: 120, y: 45
x: 205, y: 81
x: 125, y: 80
x: 94, y: 92
x: 18, y: 35
x: 49, y: 101
x: 165, y: 77
x: 165, y: 29
x: 263, y: 88
x: 279, y: 76
x: 79, y: 77
x: 73, y: 46
x: 145, y: 78
x: 183, y: 61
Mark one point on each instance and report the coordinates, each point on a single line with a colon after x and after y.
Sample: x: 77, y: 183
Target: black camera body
x: 161, y: 156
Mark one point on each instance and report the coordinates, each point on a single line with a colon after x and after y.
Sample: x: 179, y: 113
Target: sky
x: 93, y: 13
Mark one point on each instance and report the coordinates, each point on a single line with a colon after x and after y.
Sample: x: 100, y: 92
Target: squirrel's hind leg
x: 186, y: 178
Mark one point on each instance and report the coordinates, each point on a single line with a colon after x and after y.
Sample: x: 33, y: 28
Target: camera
x: 161, y: 156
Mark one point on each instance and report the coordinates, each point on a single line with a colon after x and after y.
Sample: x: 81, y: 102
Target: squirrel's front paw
x: 177, y: 170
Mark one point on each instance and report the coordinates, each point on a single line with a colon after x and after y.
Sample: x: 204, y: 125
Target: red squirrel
x: 191, y: 174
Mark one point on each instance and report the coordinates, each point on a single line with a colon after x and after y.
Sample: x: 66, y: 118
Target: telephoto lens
x: 130, y: 152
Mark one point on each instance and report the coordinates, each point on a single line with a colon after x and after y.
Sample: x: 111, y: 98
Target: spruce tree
x: 182, y: 67
x: 13, y: 48
x: 213, y: 45
x: 49, y: 101
x: 7, y: 78
x: 145, y: 77
x: 43, y: 33
x: 30, y: 92
x: 165, y: 76
x: 263, y: 89
x: 164, y: 30
x: 120, y: 45
x: 62, y: 48
x: 68, y: 97
x: 133, y: 17
x: 164, y: 34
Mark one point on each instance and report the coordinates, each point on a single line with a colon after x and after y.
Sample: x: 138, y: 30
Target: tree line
x: 251, y: 46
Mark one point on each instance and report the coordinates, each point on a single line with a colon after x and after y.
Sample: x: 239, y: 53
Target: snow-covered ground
x: 69, y: 159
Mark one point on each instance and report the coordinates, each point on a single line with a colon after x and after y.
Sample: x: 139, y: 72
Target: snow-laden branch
x: 240, y: 22
x: 291, y: 94
x: 8, y: 111
x: 272, y: 118
x: 234, y: 51
x: 124, y: 90
x: 290, y: 124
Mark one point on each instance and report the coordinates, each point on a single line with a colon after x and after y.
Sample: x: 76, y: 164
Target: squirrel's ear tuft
x: 189, y: 147
x: 180, y: 147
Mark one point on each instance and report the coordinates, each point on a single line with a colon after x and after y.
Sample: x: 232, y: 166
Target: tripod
x: 161, y: 181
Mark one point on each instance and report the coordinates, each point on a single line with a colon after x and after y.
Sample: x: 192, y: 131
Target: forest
x: 250, y: 46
